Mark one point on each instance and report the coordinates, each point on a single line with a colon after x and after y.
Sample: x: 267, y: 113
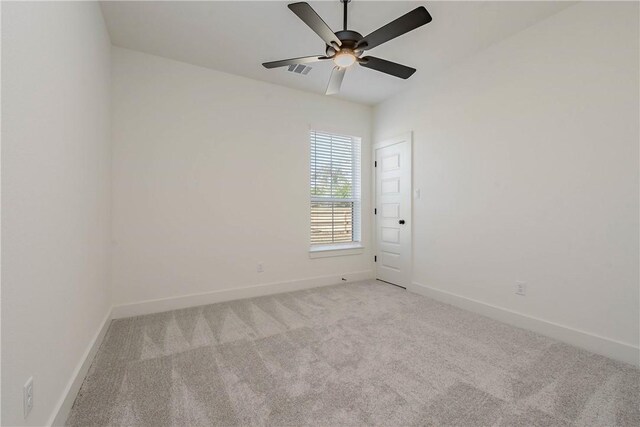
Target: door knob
x: 401, y: 222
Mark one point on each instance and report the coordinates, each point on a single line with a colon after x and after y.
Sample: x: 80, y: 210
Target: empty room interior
x: 333, y: 213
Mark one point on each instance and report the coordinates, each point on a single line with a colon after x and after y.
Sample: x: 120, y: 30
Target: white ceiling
x: 237, y: 36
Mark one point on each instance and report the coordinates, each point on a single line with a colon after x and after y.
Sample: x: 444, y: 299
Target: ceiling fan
x: 346, y: 47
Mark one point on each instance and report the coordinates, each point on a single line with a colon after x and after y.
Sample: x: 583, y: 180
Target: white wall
x: 527, y: 158
x: 211, y: 176
x: 55, y: 197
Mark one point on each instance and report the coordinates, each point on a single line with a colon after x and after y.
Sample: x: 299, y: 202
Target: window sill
x: 323, y: 251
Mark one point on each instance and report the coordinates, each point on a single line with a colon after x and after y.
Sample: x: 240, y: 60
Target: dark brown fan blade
x: 410, y: 21
x: 335, y: 81
x: 292, y: 61
x: 313, y: 20
x: 388, y: 67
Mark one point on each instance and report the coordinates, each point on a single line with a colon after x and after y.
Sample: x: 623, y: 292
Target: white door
x: 393, y: 210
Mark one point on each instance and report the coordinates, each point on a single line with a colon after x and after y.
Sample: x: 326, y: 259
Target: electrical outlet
x: 521, y: 288
x: 260, y: 267
x: 27, y: 395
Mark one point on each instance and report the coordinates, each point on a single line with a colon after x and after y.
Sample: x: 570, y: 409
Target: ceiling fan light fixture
x: 345, y: 58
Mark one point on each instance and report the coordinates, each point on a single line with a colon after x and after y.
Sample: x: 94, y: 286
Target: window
x: 335, y: 190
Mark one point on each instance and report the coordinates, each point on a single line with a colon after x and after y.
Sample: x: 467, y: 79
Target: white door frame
x: 408, y: 137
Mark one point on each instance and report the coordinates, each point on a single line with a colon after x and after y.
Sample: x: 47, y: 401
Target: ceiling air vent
x: 299, y: 69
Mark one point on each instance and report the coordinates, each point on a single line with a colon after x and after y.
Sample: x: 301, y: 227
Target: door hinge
x: 375, y: 211
x: 375, y: 258
x: 375, y: 164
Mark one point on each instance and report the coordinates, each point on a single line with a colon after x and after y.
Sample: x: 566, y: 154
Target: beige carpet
x: 354, y: 354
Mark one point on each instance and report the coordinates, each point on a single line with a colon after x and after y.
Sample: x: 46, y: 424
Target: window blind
x: 335, y: 188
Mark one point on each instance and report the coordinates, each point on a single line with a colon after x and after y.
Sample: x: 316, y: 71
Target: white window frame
x: 348, y: 248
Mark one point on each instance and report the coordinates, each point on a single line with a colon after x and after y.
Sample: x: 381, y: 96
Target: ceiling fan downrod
x: 344, y: 20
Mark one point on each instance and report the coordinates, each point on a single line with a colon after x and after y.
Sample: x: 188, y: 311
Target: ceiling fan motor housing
x: 349, y: 40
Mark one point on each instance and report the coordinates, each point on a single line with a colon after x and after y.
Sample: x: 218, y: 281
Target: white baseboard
x: 61, y: 412
x: 604, y: 346
x: 185, y: 301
